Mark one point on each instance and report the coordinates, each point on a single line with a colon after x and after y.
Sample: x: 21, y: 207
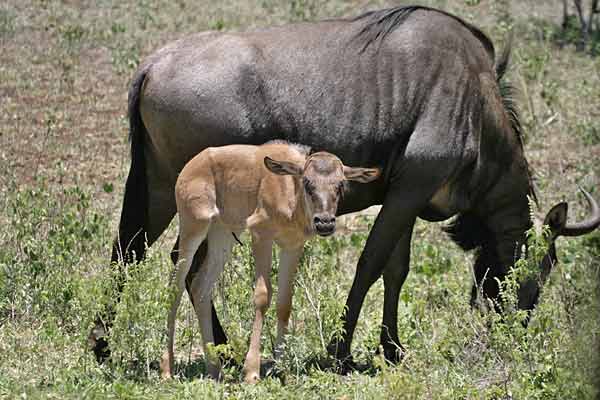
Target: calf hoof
x: 166, y: 366
x: 252, y: 377
x: 251, y: 370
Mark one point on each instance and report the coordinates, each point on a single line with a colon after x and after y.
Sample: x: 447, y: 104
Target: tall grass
x: 63, y: 158
x: 54, y: 281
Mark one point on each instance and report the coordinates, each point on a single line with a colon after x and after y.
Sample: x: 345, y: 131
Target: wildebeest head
x: 498, y: 248
x: 556, y: 221
x: 323, y: 177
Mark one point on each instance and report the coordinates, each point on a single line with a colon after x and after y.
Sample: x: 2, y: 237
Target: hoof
x: 251, y: 370
x: 214, y: 372
x: 392, y: 354
x: 331, y: 364
x: 166, y: 367
x: 252, y: 377
x: 98, y: 343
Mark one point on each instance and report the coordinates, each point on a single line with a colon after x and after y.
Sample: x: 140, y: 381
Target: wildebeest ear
x: 362, y: 175
x: 556, y: 218
x: 282, y: 167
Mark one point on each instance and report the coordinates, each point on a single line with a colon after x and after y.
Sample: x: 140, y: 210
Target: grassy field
x: 64, y: 70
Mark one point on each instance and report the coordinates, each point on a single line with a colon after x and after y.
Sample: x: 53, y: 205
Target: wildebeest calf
x: 281, y: 194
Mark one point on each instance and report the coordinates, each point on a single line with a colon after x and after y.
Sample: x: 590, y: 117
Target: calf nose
x: 324, y: 224
x: 324, y: 219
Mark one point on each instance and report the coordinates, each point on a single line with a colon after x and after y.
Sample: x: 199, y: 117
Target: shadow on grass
x: 269, y: 368
x: 190, y: 370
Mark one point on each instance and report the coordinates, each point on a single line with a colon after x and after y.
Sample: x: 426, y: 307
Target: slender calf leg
x: 288, y: 265
x: 192, y: 234
x: 394, y: 274
x: 262, y: 250
x: 220, y: 243
x: 218, y: 331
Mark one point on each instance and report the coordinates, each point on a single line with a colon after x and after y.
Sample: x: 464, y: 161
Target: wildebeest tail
x: 130, y: 245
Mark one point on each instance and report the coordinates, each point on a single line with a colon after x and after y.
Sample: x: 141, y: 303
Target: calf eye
x: 308, y: 187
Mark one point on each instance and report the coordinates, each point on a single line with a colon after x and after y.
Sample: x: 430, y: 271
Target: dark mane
x: 507, y: 92
x: 468, y: 230
x: 381, y: 23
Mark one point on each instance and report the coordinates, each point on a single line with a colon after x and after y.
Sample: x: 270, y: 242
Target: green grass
x: 63, y: 160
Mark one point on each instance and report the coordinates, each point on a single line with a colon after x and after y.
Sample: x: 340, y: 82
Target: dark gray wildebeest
x: 414, y: 90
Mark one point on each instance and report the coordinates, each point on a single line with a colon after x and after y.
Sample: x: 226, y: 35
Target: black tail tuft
x: 130, y: 246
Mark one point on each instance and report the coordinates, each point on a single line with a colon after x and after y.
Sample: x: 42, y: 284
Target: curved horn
x: 587, y: 226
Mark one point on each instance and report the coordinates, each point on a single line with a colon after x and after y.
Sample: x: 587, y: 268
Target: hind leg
x: 192, y: 233
x: 220, y: 242
x: 218, y: 332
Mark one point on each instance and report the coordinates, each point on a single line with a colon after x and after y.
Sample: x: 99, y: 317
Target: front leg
x: 288, y: 265
x: 262, y: 250
x: 394, y: 274
x: 407, y: 196
x: 393, y: 222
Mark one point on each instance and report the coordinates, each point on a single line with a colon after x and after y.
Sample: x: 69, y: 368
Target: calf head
x: 322, y: 177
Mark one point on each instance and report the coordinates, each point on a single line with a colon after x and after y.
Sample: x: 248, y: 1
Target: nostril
x: 324, y: 220
x: 328, y: 220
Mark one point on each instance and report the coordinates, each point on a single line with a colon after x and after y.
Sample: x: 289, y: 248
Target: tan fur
x: 225, y: 190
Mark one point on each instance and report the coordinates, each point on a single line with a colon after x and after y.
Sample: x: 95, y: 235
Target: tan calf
x: 224, y: 190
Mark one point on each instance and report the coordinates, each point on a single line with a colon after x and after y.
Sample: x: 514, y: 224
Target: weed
x: 589, y: 131
x: 217, y: 25
x: 7, y: 23
x: 303, y: 10
x: 125, y: 59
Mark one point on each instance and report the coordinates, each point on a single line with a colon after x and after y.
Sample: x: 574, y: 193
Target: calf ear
x: 362, y: 175
x: 282, y: 167
x: 556, y: 218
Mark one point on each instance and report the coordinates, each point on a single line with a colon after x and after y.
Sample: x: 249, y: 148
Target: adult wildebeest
x: 412, y: 89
